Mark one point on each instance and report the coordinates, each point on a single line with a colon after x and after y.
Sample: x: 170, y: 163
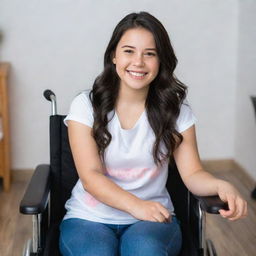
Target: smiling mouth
x: 137, y: 74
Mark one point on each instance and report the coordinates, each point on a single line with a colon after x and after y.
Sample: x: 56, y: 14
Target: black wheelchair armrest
x: 211, y: 204
x: 35, y: 198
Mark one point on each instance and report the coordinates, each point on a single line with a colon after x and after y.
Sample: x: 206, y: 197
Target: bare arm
x: 202, y: 183
x: 90, y: 171
x: 198, y: 181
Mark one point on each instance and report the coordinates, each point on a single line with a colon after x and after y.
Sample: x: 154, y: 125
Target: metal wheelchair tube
x: 210, y: 248
x: 201, y: 228
x: 50, y: 96
x: 36, y: 239
x: 49, y: 209
x: 27, y: 248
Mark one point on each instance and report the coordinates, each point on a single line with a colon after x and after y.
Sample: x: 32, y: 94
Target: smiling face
x: 136, y: 59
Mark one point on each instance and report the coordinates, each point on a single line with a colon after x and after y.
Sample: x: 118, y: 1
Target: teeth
x: 137, y: 74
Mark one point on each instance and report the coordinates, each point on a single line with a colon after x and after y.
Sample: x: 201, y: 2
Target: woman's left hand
x: 237, y: 205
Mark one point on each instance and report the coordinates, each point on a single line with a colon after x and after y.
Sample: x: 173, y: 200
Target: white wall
x: 60, y: 44
x: 245, y: 146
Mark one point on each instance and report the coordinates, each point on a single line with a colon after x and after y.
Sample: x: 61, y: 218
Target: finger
x: 232, y: 208
x: 159, y: 217
x: 165, y: 212
x: 245, y: 212
x: 239, y: 210
x: 244, y: 209
x: 226, y: 213
x: 236, y: 214
x: 235, y: 217
x: 169, y: 219
x: 222, y: 213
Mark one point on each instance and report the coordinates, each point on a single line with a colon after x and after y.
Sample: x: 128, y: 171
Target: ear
x: 113, y: 57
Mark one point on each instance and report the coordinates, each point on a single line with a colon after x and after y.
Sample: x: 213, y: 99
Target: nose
x: 138, y: 60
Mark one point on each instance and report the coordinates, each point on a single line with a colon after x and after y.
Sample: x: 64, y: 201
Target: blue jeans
x: 144, y: 238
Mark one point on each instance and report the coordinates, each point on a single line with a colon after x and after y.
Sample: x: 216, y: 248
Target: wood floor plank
x: 14, y: 227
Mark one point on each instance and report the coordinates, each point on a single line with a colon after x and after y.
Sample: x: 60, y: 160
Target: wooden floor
x: 15, y: 228
x: 235, y: 238
x: 230, y: 238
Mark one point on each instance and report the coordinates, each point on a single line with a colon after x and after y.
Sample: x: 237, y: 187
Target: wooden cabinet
x: 4, y: 117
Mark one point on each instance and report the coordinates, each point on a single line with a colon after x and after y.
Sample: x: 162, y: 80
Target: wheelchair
x: 51, y: 185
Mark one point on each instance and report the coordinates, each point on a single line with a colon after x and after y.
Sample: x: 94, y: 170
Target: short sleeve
x: 186, y: 118
x: 81, y: 110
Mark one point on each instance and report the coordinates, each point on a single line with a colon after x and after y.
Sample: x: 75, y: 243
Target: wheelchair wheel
x: 210, y: 248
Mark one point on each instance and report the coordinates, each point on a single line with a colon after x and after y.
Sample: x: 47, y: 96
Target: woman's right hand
x: 150, y: 211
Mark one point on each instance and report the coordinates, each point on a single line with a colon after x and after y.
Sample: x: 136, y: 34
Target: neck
x: 130, y: 97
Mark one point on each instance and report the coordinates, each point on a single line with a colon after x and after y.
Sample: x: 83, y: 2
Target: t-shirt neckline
x: 135, y: 125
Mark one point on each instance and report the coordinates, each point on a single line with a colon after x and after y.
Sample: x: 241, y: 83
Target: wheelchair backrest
x: 63, y: 172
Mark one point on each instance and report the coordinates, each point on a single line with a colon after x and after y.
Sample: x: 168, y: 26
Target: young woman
x: 122, y: 134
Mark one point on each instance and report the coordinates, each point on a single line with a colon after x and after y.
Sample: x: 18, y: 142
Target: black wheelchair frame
x: 51, y: 185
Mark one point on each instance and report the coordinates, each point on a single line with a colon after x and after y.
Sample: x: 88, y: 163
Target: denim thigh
x: 145, y: 238
x: 87, y: 238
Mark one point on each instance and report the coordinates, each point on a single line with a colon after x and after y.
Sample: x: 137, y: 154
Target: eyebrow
x: 129, y: 46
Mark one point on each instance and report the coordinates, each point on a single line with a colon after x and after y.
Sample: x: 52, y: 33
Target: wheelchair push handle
x: 50, y: 95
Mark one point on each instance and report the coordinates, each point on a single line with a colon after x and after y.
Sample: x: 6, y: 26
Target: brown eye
x: 150, y: 54
x: 128, y: 51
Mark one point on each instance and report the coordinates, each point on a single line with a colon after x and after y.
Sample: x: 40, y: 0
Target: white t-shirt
x: 129, y: 163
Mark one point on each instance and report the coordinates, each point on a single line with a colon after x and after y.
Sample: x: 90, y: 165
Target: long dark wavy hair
x: 165, y: 96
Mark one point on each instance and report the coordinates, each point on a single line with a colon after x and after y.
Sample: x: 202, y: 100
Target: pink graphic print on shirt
x: 90, y: 200
x: 130, y: 174
x: 126, y: 174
